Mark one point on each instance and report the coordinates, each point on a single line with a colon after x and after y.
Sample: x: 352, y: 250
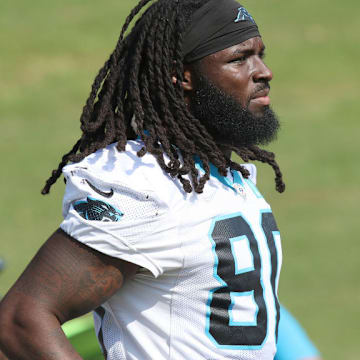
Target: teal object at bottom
x: 293, y: 342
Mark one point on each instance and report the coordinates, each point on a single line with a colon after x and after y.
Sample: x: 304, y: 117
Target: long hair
x: 134, y: 90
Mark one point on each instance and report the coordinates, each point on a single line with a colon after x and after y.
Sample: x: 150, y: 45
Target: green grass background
x: 50, y: 53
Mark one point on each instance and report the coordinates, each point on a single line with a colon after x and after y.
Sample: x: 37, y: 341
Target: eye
x: 262, y: 55
x: 239, y: 59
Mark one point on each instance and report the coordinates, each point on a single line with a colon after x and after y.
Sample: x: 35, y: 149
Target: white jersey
x: 210, y: 263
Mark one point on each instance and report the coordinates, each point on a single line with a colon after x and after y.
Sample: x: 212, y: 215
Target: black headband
x: 217, y: 25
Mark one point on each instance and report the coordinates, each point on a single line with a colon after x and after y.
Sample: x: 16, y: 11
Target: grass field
x: 50, y: 52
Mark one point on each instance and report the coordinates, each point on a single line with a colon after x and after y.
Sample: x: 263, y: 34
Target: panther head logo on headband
x: 215, y: 26
x: 243, y: 15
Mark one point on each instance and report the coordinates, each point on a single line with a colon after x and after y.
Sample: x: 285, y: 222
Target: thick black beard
x: 228, y: 121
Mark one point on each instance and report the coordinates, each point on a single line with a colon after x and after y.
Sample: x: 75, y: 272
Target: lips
x: 262, y: 97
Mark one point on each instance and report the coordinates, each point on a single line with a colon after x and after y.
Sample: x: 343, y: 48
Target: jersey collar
x: 233, y: 180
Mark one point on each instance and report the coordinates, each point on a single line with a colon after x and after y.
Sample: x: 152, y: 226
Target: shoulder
x: 114, y: 166
x: 110, y: 168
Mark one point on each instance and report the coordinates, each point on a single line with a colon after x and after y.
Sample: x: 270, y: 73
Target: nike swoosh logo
x: 102, y: 193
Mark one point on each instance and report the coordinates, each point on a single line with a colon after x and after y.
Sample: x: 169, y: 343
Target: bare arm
x: 64, y: 280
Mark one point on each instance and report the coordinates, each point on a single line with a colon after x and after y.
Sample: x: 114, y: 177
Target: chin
x: 259, y: 112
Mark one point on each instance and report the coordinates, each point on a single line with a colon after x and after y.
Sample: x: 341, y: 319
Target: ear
x: 187, y: 82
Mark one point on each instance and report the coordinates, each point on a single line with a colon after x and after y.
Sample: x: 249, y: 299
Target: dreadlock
x: 134, y: 90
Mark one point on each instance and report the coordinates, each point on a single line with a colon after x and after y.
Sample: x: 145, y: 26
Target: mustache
x: 261, y: 87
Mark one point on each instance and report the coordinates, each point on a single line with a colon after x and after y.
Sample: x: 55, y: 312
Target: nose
x: 262, y: 72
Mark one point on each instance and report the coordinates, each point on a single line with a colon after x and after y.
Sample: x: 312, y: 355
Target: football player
x: 165, y: 238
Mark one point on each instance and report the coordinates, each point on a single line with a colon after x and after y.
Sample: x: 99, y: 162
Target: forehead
x: 254, y: 45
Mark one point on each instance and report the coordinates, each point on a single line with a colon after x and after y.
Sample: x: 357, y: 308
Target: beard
x: 228, y: 121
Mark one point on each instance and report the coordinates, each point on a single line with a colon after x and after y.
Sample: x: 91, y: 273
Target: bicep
x: 69, y: 279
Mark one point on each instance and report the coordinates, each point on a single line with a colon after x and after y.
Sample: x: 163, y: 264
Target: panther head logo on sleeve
x: 93, y: 209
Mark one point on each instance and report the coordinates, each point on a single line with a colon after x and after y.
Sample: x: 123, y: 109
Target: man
x: 164, y: 237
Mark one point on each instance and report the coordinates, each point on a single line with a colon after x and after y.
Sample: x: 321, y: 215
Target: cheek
x: 238, y: 87
x: 236, y: 82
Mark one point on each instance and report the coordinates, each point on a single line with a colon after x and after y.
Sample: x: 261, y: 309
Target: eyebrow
x: 245, y: 51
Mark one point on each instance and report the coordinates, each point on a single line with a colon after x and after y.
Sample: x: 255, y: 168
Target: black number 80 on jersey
x: 221, y: 327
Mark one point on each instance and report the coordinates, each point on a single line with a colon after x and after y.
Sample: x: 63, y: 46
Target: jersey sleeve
x: 120, y: 218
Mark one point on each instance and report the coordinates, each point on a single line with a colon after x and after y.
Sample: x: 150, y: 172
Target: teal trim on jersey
x: 254, y: 188
x: 293, y: 342
x: 275, y: 235
x: 237, y: 269
x: 215, y: 172
x: 234, y: 295
x: 269, y: 254
x: 146, y: 132
x: 237, y: 178
x: 223, y: 283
